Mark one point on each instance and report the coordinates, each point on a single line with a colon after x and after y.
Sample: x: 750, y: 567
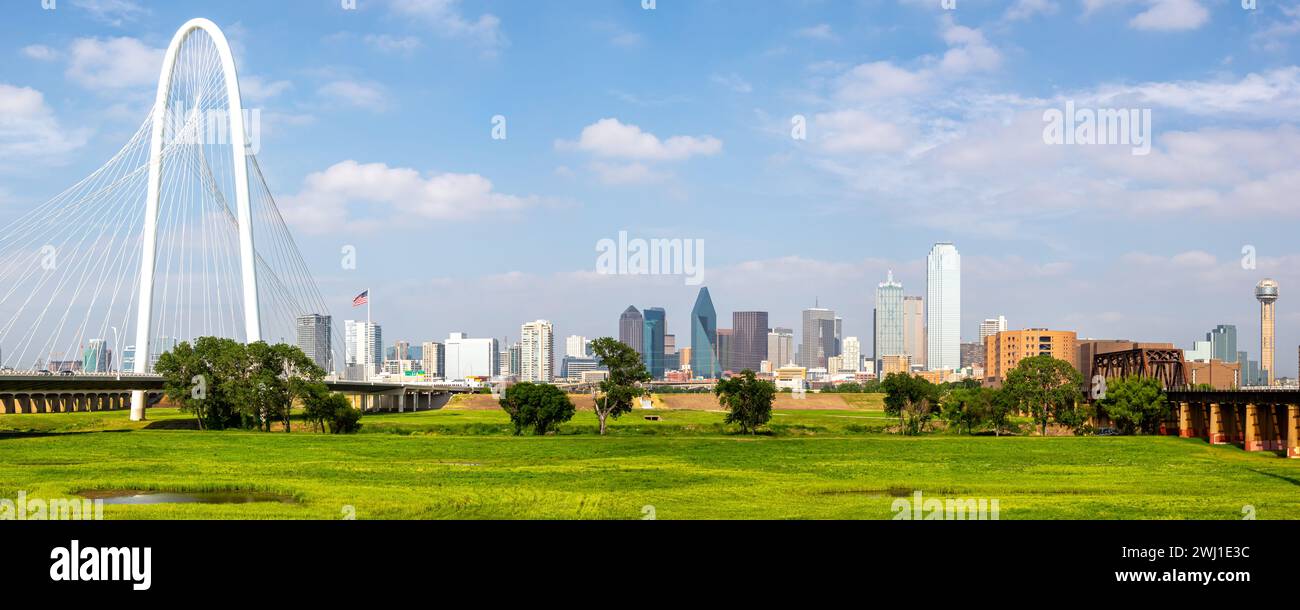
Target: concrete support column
x: 401, y: 402
x: 63, y: 403
x: 8, y: 404
x: 40, y: 403
x: 24, y: 403
x: 1293, y: 431
x: 1217, y: 436
x: 1254, y: 435
x: 1185, y: 420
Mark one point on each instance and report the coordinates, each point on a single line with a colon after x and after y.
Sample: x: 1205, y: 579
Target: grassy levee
x: 459, y: 463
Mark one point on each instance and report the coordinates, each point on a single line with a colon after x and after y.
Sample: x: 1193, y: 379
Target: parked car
x: 44, y: 372
x: 66, y: 373
x: 1107, y: 432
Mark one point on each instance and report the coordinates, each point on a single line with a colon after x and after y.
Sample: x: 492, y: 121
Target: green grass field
x: 464, y: 464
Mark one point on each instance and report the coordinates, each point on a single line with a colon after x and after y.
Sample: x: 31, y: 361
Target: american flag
x: 361, y: 299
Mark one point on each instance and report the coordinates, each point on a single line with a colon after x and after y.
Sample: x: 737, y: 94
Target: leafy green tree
x: 1002, y: 405
x: 225, y: 383
x: 625, y: 383
x: 1047, y: 388
x: 194, y: 377
x: 911, y: 398
x: 328, y: 411
x: 542, y: 407
x: 968, y: 407
x: 1135, y: 404
x: 747, y: 399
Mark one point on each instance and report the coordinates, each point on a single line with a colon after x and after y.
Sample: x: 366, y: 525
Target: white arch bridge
x: 176, y: 237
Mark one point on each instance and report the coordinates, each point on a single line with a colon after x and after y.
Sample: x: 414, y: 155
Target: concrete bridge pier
x: 1264, y: 429
x: 8, y: 404
x: 1217, y: 436
x: 1293, y: 433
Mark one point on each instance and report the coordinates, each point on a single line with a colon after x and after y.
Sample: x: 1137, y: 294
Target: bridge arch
x: 162, y: 111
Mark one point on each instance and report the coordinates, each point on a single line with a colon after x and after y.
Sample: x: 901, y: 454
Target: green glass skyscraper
x: 704, y: 338
x: 656, y: 326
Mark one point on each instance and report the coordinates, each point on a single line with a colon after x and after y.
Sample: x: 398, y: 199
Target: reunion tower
x: 1266, y: 292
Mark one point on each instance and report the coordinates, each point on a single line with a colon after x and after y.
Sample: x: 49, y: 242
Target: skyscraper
x: 943, y: 308
x: 537, y: 352
x: 433, y: 358
x: 96, y: 358
x: 631, y: 329
x: 471, y: 358
x: 1266, y: 292
x: 780, y: 347
x: 749, y: 347
x: 888, y: 340
x: 819, y: 341
x: 656, y: 326
x: 992, y: 326
x: 851, y: 359
x: 704, y: 338
x: 726, y: 341
x: 314, y: 331
x: 1223, y: 342
x: 363, y: 348
x: 914, y: 329
x: 576, y: 346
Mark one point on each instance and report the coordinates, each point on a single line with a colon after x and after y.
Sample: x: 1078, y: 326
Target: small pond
x: 118, y: 496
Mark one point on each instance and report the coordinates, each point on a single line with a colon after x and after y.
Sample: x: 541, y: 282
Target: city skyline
x: 1202, y: 234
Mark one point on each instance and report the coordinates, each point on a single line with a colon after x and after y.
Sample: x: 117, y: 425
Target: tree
x: 968, y: 407
x: 225, y: 383
x: 328, y: 411
x: 1048, y: 389
x: 1001, y: 405
x: 747, y: 399
x: 542, y: 407
x: 194, y: 377
x: 627, y: 373
x: 912, y: 399
x: 1135, y: 404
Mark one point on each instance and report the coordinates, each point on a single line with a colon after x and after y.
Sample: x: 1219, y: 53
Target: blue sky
x: 924, y: 125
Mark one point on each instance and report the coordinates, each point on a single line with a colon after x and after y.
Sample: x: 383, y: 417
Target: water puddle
x: 118, y: 496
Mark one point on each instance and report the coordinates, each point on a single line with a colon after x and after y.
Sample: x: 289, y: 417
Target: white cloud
x: 854, y: 131
x: 821, y: 31
x: 1273, y: 94
x: 968, y: 51
x: 256, y: 88
x: 112, y: 12
x: 447, y: 19
x: 357, y: 94
x: 28, y: 128
x: 40, y: 52
x: 113, y: 63
x: 401, y: 45
x: 351, y: 196
x: 880, y: 79
x: 1171, y: 15
x: 610, y: 138
x: 1025, y: 9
